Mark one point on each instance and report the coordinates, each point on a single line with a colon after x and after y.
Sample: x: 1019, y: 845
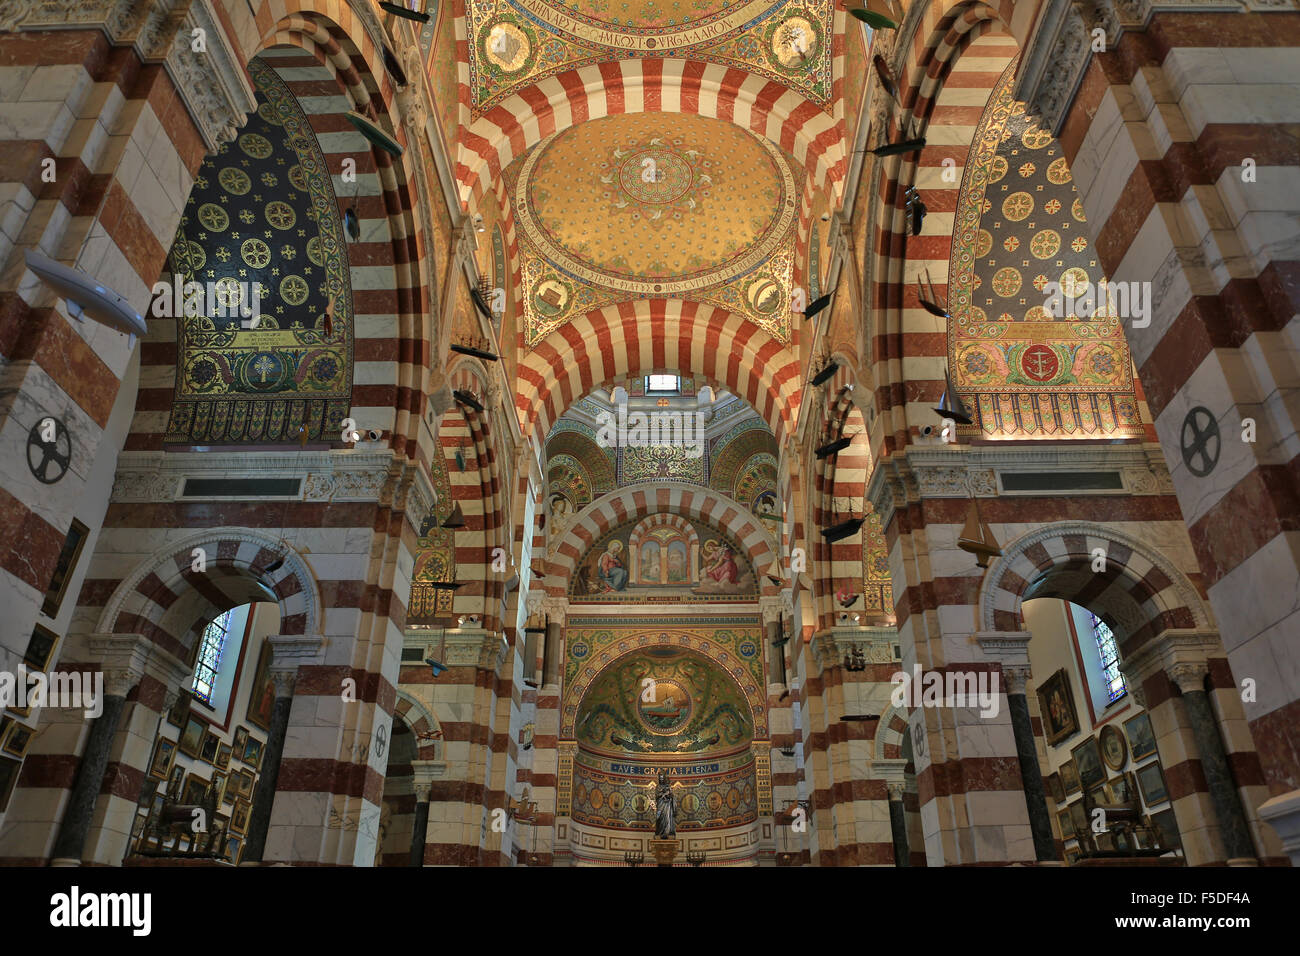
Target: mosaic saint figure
x: 611, y: 569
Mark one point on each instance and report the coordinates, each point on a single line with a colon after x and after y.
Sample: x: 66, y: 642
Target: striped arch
x: 422, y: 722
x: 480, y: 491
x: 646, y: 498
x: 841, y: 476
x: 901, y: 327
x: 658, y: 335
x: 1139, y: 593
x: 492, y: 141
x: 164, y: 598
x: 343, y: 41
x: 891, y: 731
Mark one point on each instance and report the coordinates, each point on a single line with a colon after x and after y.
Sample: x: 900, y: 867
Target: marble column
x: 425, y: 771
x: 288, y: 652
x: 551, y: 652
x: 1190, y: 678
x: 898, y: 825
x: 122, y: 659
x: 1011, y: 650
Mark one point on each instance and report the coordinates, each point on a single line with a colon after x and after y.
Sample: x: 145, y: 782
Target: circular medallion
x: 1027, y: 170
x: 1201, y: 442
x: 1035, y: 138
x: 690, y: 803
x: 1045, y: 244
x: 579, y: 650
x: 655, y: 176
x: 1074, y: 283
x: 298, y: 178
x: 506, y: 47
x: 1037, y: 314
x: 1113, y: 749
x: 264, y: 370
x: 198, y: 258
x: 381, y: 740
x: 234, y: 181
x: 794, y: 43
x: 597, y: 799
x: 49, y: 450
x: 664, y: 707
x: 294, y: 289
x: 747, y: 649
x: 641, y: 803
x: 997, y: 168
x: 1006, y: 282
x: 213, y: 218
x: 228, y: 292
x: 1040, y: 363
x: 1058, y: 172
x: 714, y: 801
x: 733, y: 798
x: 616, y: 801
x: 1076, y: 210
x: 259, y: 147
x: 255, y: 253
x: 270, y: 114
x: 280, y: 215
x: 983, y: 243
x: 1018, y: 206
x: 550, y: 297
x: 314, y: 251
x: 764, y: 295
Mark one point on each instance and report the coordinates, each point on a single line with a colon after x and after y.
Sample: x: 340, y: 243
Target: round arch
x: 1139, y: 592
x: 767, y: 108
x: 646, y: 498
x: 165, y: 594
x: 650, y: 335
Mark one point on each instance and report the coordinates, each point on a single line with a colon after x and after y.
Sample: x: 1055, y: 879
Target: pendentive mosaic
x: 263, y: 219
x: 1019, y: 226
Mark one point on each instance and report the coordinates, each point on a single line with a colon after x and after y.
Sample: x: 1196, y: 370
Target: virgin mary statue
x: 665, y: 809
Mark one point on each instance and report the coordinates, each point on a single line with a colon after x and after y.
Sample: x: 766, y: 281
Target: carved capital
x: 1017, y: 677
x: 122, y: 659
x: 555, y: 608
x: 288, y: 653
x: 1189, y: 675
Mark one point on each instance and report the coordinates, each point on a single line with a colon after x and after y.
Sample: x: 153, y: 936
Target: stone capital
x: 123, y: 659
x: 875, y: 644
x: 288, y: 653
x: 1182, y: 653
x: 1005, y: 647
x: 555, y: 609
x: 1017, y: 677
x: 425, y: 773
x: 771, y: 608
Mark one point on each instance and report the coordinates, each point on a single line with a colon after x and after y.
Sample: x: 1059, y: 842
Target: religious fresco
x: 877, y: 583
x: 516, y: 43
x: 664, y: 701
x: 262, y: 220
x: 745, y: 462
x: 442, y: 66
x: 647, y: 206
x: 663, y: 558
x: 731, y: 643
x: 1019, y: 226
x: 708, y: 794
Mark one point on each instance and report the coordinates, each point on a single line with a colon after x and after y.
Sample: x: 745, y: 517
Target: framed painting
x: 195, y: 787
x: 1073, y: 855
x: 241, y: 741
x: 1069, y: 777
x: 1067, y: 825
x: 17, y: 739
x: 211, y: 743
x: 8, y: 777
x: 192, y: 737
x: 261, y: 696
x: 220, y: 780
x: 163, y: 752
x: 175, y: 782
x: 223, y: 757
x: 1152, y: 781
x: 253, y: 753
x: 234, y: 847
x: 1113, y: 748
x: 179, y: 713
x: 40, y: 649
x: 1078, y: 817
x: 239, y: 817
x: 63, y: 568
x: 1121, y: 789
x: 1141, y: 739
x: 1060, y: 720
x: 1087, y: 757
x: 246, y: 782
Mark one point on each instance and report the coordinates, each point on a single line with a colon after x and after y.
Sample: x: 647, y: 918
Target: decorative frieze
x: 875, y: 644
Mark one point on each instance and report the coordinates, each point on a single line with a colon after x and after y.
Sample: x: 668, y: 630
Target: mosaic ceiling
x: 1019, y: 226
x: 263, y: 220
x: 515, y: 43
x: 647, y: 205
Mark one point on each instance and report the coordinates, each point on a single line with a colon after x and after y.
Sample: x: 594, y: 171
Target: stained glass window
x: 1110, y: 672
x: 209, y: 663
x: 662, y: 383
